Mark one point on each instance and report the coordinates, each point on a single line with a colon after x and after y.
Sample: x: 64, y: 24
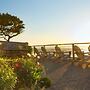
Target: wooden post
x: 34, y: 50
x: 44, y: 46
x: 73, y: 52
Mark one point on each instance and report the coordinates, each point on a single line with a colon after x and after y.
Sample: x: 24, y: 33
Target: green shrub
x: 7, y: 76
x: 30, y: 49
x: 44, y: 82
x: 28, y: 72
x: 21, y: 73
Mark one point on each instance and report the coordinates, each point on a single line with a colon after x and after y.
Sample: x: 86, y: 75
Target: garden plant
x: 22, y: 74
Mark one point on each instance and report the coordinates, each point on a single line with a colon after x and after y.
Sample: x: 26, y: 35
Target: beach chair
x: 37, y: 53
x: 79, y: 53
x: 89, y: 50
x: 61, y: 54
x: 44, y: 52
x: 58, y: 52
x: 82, y: 60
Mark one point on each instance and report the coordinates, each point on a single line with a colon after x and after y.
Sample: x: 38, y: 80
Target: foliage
x: 30, y: 49
x: 8, y: 78
x: 10, y: 26
x: 21, y: 73
x: 27, y: 72
x: 44, y: 82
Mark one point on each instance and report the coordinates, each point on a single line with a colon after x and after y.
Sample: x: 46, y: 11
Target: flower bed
x: 21, y: 73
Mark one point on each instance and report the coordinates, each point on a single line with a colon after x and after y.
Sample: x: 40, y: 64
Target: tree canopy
x: 10, y: 26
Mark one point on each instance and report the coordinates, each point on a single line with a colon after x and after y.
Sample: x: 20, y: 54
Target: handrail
x: 72, y: 46
x: 62, y: 44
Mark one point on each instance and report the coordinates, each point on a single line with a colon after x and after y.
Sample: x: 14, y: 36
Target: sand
x: 66, y: 76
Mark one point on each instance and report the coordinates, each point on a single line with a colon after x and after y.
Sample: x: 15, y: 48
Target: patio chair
x: 58, y: 52
x: 46, y: 54
x: 36, y: 53
x: 79, y: 53
x: 89, y: 50
x: 44, y: 51
x: 82, y: 60
x: 61, y: 54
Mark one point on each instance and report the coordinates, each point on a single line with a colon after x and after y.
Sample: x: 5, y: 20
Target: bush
x: 8, y: 78
x: 27, y: 72
x: 44, y: 82
x: 21, y: 73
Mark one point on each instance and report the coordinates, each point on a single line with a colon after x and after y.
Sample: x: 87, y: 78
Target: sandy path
x: 65, y: 76
x: 59, y: 72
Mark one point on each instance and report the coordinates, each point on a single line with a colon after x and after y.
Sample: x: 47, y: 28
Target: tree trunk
x: 8, y: 40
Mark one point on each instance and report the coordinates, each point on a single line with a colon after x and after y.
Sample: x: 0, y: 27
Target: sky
x: 50, y: 21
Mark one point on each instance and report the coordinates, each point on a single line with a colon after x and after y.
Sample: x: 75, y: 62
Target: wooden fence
x: 65, y: 45
x: 14, y: 49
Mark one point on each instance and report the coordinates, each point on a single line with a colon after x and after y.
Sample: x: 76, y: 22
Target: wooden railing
x: 65, y: 44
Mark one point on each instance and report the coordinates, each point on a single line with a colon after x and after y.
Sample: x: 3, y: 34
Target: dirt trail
x: 65, y: 76
x: 54, y: 76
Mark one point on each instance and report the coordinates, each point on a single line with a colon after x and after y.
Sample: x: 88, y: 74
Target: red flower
x: 18, y: 65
